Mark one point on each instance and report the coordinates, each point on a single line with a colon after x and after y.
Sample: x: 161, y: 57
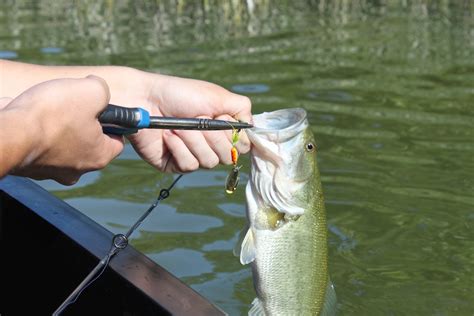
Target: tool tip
x: 241, y: 125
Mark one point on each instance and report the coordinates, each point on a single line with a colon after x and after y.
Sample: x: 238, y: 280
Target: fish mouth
x: 276, y: 138
x: 271, y: 129
x: 286, y: 123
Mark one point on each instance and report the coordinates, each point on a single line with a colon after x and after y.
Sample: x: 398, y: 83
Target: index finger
x: 239, y: 107
x: 243, y: 145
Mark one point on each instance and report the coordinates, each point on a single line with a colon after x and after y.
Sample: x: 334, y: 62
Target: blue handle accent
x: 120, y: 120
x: 144, y: 118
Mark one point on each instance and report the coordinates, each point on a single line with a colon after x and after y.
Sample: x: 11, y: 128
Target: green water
x: 389, y: 89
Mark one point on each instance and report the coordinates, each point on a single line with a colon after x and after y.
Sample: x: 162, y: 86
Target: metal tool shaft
x: 194, y: 123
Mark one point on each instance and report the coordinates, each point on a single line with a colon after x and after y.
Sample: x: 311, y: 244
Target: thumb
x: 112, y: 144
x: 240, y: 107
x: 99, y: 88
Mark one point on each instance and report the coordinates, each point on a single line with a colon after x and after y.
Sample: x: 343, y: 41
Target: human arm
x: 16, y: 140
x: 174, y: 151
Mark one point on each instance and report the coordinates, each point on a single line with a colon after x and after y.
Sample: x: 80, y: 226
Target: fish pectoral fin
x: 247, y: 252
x: 238, y: 246
x: 330, y: 301
x: 257, y: 308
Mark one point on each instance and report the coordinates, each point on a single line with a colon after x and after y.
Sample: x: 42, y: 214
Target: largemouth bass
x: 286, y: 242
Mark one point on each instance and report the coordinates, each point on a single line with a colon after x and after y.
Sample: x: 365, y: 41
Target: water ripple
x: 118, y: 216
x: 250, y: 88
x: 177, y: 261
x: 381, y: 113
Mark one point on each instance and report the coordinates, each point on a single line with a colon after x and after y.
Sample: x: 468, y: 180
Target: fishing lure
x: 233, y: 178
x: 234, y: 155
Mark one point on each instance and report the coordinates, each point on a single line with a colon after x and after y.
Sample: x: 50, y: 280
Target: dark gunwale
x: 133, y: 268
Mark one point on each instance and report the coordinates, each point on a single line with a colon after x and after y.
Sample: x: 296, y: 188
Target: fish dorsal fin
x: 257, y: 308
x: 247, y: 252
x: 330, y: 301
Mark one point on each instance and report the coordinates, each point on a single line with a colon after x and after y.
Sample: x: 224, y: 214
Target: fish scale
x: 284, y: 267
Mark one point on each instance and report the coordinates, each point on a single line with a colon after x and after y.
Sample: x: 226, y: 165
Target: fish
x: 286, y: 239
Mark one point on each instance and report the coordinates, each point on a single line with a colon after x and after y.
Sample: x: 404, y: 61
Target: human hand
x: 66, y: 136
x: 182, y: 150
x: 172, y: 151
x: 4, y: 102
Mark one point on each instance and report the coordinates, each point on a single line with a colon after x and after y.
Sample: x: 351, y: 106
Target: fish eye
x: 310, y: 147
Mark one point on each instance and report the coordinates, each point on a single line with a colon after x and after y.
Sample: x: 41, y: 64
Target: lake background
x: 389, y: 91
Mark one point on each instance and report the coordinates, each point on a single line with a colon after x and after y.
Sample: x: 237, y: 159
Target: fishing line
x: 74, y: 299
x: 119, y: 242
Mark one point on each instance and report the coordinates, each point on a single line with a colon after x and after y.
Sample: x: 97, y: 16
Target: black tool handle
x: 124, y: 117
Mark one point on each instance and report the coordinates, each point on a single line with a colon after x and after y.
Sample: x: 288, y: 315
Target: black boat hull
x: 48, y: 247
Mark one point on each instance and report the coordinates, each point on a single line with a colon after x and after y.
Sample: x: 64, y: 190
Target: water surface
x: 389, y: 90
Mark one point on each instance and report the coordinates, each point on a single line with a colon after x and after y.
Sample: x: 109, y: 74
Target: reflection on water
x: 250, y: 88
x: 118, y: 216
x: 388, y: 87
x: 177, y: 261
x: 8, y: 54
x: 52, y: 50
